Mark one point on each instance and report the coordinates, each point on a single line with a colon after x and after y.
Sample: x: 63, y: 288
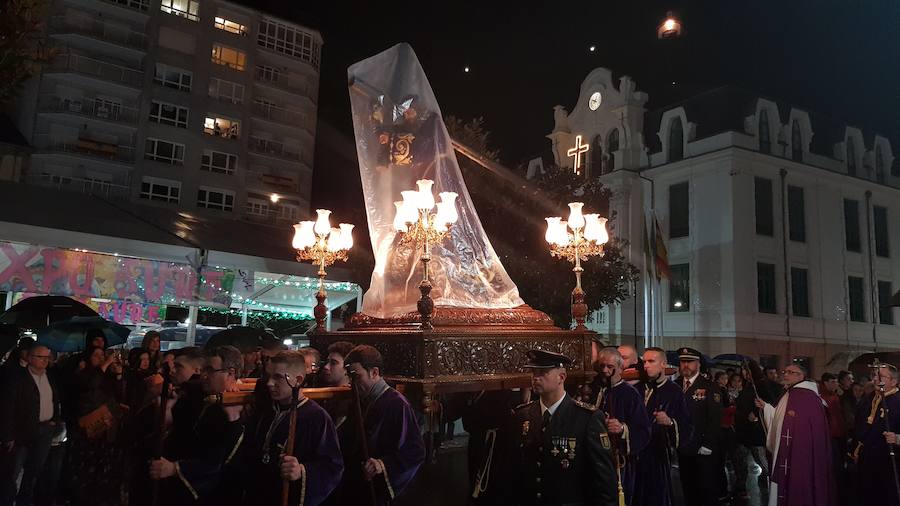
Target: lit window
x: 289, y: 41
x: 230, y: 26
x: 168, y: 114
x: 163, y: 190
x: 183, y: 8
x: 164, y: 151
x: 222, y: 127
x: 226, y: 91
x: 172, y: 77
x: 213, y: 198
x: 229, y: 57
x: 216, y: 161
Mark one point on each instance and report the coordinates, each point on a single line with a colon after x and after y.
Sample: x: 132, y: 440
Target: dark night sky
x: 836, y: 57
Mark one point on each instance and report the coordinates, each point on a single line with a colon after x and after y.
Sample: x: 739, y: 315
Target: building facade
x: 780, y: 225
x: 201, y: 105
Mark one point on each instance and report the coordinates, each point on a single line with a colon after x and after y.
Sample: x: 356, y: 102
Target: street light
x: 415, y: 222
x: 586, y: 239
x: 669, y: 28
x: 318, y: 243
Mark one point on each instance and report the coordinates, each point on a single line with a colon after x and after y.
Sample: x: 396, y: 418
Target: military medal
x: 572, y: 443
x: 266, y: 458
x: 565, y: 463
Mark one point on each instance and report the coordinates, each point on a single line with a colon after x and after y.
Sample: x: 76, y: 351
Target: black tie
x: 546, y: 422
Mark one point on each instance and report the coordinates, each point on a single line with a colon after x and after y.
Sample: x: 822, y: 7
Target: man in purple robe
x: 314, y: 465
x: 671, y: 429
x: 877, y: 425
x: 800, y: 443
x: 626, y: 417
x: 395, y: 444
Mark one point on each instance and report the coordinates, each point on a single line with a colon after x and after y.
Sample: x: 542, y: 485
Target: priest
x: 798, y: 438
x: 877, y: 425
x: 626, y: 417
x: 671, y: 428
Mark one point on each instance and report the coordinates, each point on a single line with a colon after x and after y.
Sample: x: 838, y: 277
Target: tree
x: 512, y: 211
x: 21, y: 47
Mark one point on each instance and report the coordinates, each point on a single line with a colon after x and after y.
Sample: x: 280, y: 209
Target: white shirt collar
x: 692, y: 379
x: 552, y: 409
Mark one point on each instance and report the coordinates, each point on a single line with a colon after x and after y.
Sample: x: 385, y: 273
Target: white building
x: 781, y: 225
x: 201, y: 105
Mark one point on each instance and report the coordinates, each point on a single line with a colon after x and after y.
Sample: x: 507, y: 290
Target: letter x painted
x: 18, y: 266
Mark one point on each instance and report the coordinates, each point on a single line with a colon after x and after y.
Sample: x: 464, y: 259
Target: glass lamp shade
x: 561, y: 237
x: 426, y: 197
x: 400, y: 217
x: 576, y: 219
x: 410, y: 205
x: 552, y: 226
x: 334, y: 240
x: 591, y: 227
x: 603, y: 237
x: 303, y: 235
x: 323, y: 225
x: 346, y: 236
x: 449, y: 198
x: 443, y: 217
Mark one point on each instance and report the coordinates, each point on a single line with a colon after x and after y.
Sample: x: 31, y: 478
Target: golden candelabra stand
x: 577, y: 239
x: 318, y: 243
x: 416, y: 223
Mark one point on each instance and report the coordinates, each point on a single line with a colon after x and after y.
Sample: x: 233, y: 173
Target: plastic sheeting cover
x: 400, y: 138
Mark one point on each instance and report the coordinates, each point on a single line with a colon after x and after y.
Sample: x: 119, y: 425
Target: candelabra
x: 318, y: 243
x: 586, y: 239
x: 416, y: 223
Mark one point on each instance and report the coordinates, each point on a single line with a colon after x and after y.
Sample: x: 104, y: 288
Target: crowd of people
x: 157, y: 428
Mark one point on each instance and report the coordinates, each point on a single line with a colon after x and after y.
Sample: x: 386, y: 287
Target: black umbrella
x: 242, y: 338
x: 37, y: 312
x: 70, y: 335
x: 9, y: 338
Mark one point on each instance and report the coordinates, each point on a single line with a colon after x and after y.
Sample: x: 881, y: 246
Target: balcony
x: 108, y: 72
x: 138, y: 5
x: 268, y: 182
x: 273, y: 148
x: 280, y: 115
x: 86, y: 145
x: 281, y: 81
x: 98, y: 29
x: 90, y: 108
x: 81, y: 185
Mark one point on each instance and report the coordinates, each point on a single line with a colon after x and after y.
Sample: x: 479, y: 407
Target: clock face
x: 595, y: 100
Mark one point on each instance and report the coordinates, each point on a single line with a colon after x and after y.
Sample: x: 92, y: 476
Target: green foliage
x: 512, y: 211
x: 21, y: 47
x: 473, y: 135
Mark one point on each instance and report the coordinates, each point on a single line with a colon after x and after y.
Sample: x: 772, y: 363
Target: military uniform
x: 699, y: 456
x: 560, y: 458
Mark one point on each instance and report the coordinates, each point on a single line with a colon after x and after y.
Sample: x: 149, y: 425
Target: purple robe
x: 624, y: 403
x: 801, y: 474
x: 875, y: 478
x: 654, y: 467
x: 315, y: 446
x: 393, y: 438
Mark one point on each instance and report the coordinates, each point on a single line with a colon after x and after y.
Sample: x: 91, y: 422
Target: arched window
x: 765, y: 141
x: 596, y: 157
x: 879, y: 165
x: 612, y: 145
x: 851, y: 157
x: 676, y: 140
x: 796, y: 142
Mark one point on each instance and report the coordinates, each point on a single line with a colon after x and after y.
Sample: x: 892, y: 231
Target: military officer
x: 699, y: 457
x: 560, y: 450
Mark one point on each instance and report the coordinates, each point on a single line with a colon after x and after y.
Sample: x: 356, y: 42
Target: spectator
x: 845, y: 381
x: 140, y: 368
x: 749, y: 434
x: 829, y: 389
x: 151, y: 343
x: 31, y: 419
x: 313, y: 359
x: 95, y: 462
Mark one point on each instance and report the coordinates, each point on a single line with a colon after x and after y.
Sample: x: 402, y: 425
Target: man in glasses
x: 798, y: 438
x: 313, y: 466
x: 209, y: 441
x: 29, y: 422
x: 877, y: 425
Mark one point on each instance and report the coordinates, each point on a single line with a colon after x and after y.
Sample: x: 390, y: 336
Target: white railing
x: 86, y: 145
x: 97, y: 28
x: 90, y: 107
x: 274, y: 148
x: 96, y: 68
x: 279, y: 115
x: 81, y: 185
x: 280, y: 80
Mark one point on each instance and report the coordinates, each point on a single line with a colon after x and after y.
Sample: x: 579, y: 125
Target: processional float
x: 440, y: 308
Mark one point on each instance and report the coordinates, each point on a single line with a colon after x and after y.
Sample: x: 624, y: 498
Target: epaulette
x: 584, y: 405
x: 523, y: 405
